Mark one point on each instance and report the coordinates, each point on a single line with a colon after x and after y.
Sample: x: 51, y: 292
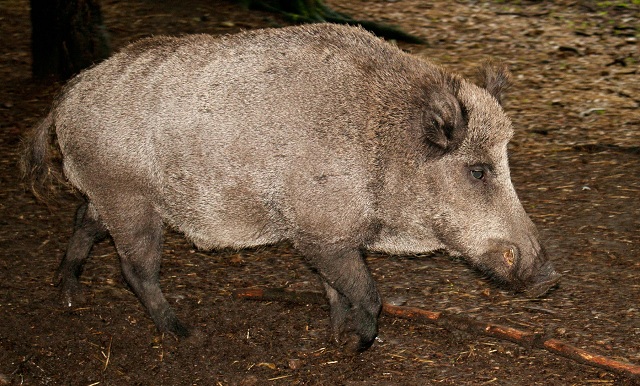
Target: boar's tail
x: 38, y: 163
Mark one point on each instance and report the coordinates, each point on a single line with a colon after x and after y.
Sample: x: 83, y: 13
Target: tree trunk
x: 67, y: 36
x: 305, y: 9
x: 315, y: 11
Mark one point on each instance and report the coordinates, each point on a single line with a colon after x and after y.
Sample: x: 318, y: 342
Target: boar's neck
x: 402, y: 206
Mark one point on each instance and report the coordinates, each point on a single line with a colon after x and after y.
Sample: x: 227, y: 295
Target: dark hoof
x: 172, y: 326
x: 67, y: 299
x: 364, y: 345
x: 180, y: 330
x: 69, y: 293
x: 354, y: 343
x: 71, y: 298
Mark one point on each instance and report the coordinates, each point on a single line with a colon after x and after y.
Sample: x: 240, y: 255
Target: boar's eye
x: 480, y: 171
x: 478, y: 174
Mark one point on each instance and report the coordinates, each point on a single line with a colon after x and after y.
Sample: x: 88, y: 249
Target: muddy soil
x: 575, y: 163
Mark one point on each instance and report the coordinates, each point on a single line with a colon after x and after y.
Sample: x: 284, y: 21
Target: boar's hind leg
x: 136, y: 229
x: 88, y: 230
x: 353, y: 297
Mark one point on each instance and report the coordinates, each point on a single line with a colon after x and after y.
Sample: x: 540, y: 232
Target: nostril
x: 509, y: 257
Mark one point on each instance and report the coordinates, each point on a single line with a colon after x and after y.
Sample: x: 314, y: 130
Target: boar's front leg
x: 353, y: 297
x: 353, y: 326
x: 88, y: 230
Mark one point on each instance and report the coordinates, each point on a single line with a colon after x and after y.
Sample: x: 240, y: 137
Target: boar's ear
x: 495, y: 78
x: 444, y: 122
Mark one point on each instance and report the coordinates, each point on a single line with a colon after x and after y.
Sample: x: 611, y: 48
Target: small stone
x: 294, y: 363
x: 397, y: 301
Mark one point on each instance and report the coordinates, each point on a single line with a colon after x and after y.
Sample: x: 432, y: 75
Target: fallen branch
x: 524, y: 338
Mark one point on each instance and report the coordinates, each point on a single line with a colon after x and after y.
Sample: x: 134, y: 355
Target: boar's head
x: 460, y: 197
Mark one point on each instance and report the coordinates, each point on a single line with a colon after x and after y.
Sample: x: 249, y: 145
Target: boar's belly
x: 218, y: 218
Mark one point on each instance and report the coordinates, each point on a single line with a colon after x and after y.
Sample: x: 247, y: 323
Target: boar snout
x: 523, y: 269
x: 535, y: 273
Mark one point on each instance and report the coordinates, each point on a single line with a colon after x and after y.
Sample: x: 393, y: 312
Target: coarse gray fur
x: 323, y: 135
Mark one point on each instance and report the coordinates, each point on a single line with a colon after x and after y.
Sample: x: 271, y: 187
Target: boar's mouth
x: 545, y: 279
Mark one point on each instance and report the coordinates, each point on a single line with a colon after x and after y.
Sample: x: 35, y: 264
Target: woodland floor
x: 575, y: 163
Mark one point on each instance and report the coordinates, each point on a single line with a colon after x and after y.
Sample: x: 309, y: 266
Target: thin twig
x: 21, y: 364
x: 108, y: 356
x: 448, y: 321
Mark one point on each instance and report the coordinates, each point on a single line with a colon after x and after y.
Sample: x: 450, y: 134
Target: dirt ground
x: 575, y: 163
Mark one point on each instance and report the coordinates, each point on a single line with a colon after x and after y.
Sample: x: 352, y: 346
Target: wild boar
x: 322, y: 135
